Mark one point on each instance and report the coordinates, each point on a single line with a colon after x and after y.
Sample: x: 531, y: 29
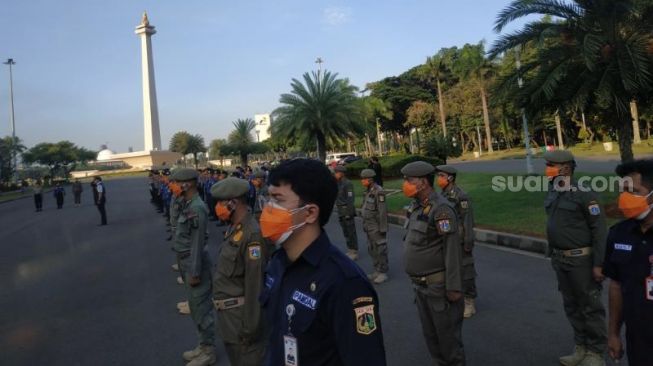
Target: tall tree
x: 322, y: 108
x: 185, y: 143
x: 241, y: 141
x: 8, y: 148
x: 60, y: 157
x: 594, y: 56
x: 436, y: 70
x: 471, y: 65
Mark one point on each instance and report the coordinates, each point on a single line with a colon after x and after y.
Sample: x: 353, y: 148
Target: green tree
x: 185, y: 143
x: 61, y: 157
x: 442, y: 147
x: 374, y: 109
x: 322, y: 108
x: 471, y: 65
x: 421, y: 115
x: 241, y: 141
x: 594, y: 56
x: 8, y: 148
x: 437, y: 71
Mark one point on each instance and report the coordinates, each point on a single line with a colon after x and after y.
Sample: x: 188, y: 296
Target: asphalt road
x: 73, y: 293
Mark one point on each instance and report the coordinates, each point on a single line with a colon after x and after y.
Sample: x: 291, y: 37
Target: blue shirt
x: 335, y: 308
x: 629, y: 261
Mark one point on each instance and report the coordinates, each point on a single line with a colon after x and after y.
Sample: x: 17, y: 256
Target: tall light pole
x: 527, y: 142
x: 11, y: 62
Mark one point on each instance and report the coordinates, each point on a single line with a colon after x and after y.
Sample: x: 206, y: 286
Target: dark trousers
x: 38, y: 202
x: 349, y: 230
x: 59, y: 201
x: 78, y: 198
x: 103, y: 213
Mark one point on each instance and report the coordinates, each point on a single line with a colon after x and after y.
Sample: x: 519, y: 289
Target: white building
x: 262, y: 129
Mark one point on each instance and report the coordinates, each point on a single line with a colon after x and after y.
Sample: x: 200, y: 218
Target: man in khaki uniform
x: 446, y: 180
x: 238, y: 279
x: 433, y: 261
x: 375, y: 225
x: 346, y: 211
x: 576, y: 232
x: 194, y: 266
x: 261, y: 191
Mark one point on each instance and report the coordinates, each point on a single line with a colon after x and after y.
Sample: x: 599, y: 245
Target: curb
x: 514, y: 241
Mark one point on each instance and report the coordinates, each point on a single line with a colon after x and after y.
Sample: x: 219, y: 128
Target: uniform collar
x: 317, y: 250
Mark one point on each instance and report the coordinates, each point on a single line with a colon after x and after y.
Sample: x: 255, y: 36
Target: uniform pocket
x: 228, y: 260
x: 417, y: 232
x: 621, y: 256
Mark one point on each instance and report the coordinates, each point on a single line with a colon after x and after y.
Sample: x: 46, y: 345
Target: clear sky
x: 77, y: 75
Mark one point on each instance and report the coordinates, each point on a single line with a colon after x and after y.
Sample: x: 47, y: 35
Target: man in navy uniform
x: 320, y: 306
x: 629, y: 265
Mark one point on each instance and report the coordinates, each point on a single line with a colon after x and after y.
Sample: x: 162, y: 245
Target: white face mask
x: 287, y: 234
x: 643, y: 215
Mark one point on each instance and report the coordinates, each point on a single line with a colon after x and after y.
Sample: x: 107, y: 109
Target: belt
x: 227, y: 304
x: 182, y: 255
x: 437, y: 277
x: 579, y: 252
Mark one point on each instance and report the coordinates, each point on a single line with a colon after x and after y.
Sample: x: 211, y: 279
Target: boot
x: 190, y: 355
x: 575, y: 358
x: 592, y: 359
x: 183, y: 308
x: 352, y: 254
x: 206, y: 357
x: 175, y: 267
x: 470, y: 307
x: 382, y: 277
x: 180, y: 280
x: 372, y: 276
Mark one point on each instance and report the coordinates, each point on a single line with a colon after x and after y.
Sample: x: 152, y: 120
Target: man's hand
x: 597, y: 273
x: 454, y: 296
x: 615, y: 347
x: 193, y: 281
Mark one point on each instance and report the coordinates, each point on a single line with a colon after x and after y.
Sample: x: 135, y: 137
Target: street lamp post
x: 11, y: 62
x: 527, y: 142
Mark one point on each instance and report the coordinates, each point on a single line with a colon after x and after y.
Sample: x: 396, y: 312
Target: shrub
x: 391, y: 165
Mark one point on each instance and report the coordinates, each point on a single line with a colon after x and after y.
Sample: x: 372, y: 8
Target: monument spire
x: 150, y: 108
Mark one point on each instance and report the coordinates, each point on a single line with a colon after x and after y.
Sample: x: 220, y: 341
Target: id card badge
x: 649, y: 288
x: 290, y: 353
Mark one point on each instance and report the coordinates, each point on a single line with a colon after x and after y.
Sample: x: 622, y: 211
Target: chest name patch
x: 269, y: 281
x: 304, y: 299
x: 626, y: 247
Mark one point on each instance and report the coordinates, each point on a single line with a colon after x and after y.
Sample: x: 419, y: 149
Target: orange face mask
x: 365, y: 182
x: 634, y: 206
x: 276, y: 222
x: 175, y: 189
x: 552, y: 171
x: 257, y: 182
x: 410, y: 189
x: 443, y: 182
x: 222, y: 212
x: 339, y: 175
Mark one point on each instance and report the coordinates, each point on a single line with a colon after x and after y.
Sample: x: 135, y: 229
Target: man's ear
x: 313, y: 214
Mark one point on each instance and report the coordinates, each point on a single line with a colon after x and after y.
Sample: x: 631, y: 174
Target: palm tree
x: 185, y: 143
x: 241, y: 139
x: 323, y: 109
x: 594, y: 57
x: 433, y: 70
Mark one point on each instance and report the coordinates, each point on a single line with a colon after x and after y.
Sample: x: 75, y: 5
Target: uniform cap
x: 229, y: 188
x: 447, y: 169
x: 185, y: 174
x: 259, y: 173
x: 559, y: 156
x: 417, y: 169
x: 368, y: 173
x: 340, y: 169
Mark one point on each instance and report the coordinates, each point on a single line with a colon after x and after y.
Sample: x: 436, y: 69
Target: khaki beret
x: 417, y: 169
x: 368, y: 173
x: 185, y: 174
x: 447, y: 169
x: 229, y: 188
x: 559, y: 156
x: 340, y: 169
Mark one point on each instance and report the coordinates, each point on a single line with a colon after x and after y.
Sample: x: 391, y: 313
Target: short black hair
x: 311, y: 180
x: 641, y: 166
x: 430, y: 179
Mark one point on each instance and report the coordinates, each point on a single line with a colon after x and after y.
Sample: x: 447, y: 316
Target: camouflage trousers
x: 200, y: 300
x: 349, y: 230
x: 469, y: 275
x: 377, y: 247
x: 581, y: 296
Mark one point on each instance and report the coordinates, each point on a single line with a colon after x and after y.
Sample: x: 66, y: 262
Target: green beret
x: 259, y: 174
x: 417, y: 169
x: 340, y: 169
x: 558, y: 156
x: 229, y: 188
x: 185, y: 174
x: 368, y: 173
x: 447, y: 169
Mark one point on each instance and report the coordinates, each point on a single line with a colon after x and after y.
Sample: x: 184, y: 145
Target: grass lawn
x: 514, y: 212
x: 14, y: 195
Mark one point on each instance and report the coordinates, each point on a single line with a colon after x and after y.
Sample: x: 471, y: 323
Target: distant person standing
x: 100, y: 194
x: 59, y: 194
x: 346, y: 211
x: 376, y: 166
x: 38, y: 196
x: 77, y: 192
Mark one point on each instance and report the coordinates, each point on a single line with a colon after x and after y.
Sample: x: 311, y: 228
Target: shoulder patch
x: 254, y: 251
x: 594, y: 209
x: 350, y: 193
x: 444, y: 226
x: 365, y: 320
x: 381, y: 197
x: 464, y: 204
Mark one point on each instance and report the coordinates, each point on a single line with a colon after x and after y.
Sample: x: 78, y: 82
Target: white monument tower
x: 150, y: 109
